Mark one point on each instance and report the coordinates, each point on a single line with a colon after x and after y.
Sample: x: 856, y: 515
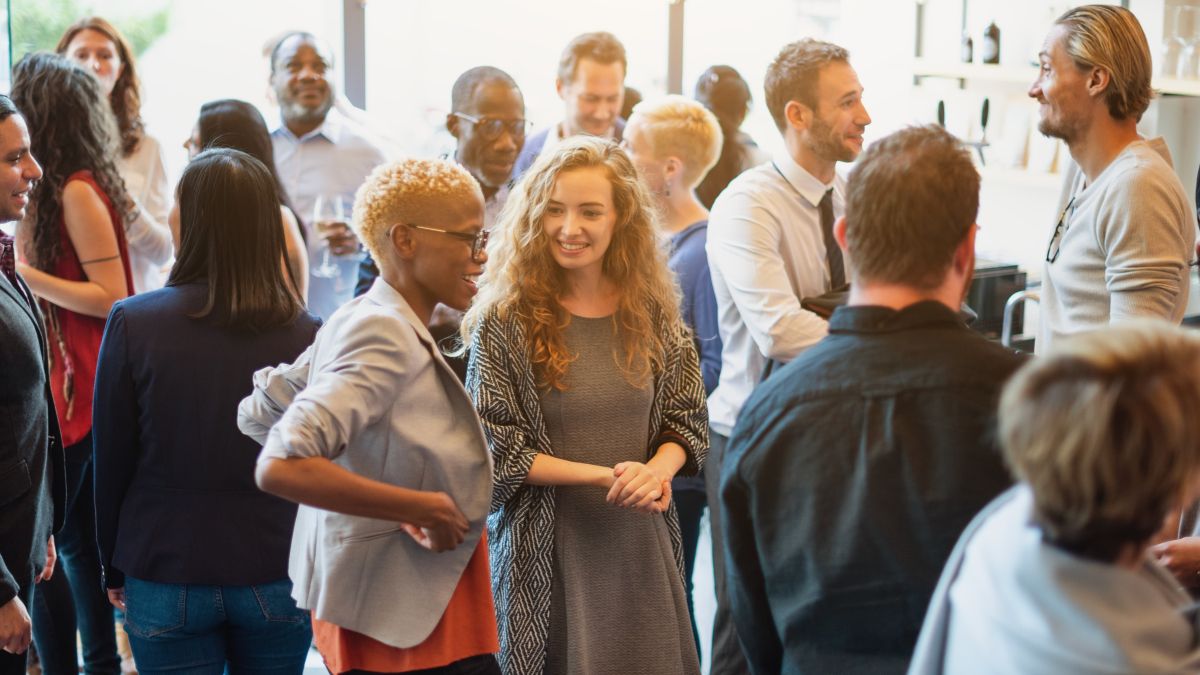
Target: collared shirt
x: 766, y: 252
x: 333, y: 160
x: 847, y: 481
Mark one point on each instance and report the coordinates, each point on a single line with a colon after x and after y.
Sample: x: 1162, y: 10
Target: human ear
x: 839, y: 232
x: 798, y: 115
x: 1098, y: 81
x: 403, y: 242
x: 452, y: 124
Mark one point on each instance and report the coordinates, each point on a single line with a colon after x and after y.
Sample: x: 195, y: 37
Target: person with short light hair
x: 591, y: 84
x: 371, y: 432
x: 887, y: 423
x: 1124, y: 234
x: 675, y: 141
x: 1055, y: 576
x: 770, y: 246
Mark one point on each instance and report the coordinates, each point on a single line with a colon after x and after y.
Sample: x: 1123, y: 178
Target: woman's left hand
x: 636, y: 486
x: 1182, y: 558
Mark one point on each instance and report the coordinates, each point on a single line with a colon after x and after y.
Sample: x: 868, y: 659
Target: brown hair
x: 792, y: 76
x: 1105, y: 432
x: 523, y: 279
x: 126, y: 98
x: 910, y: 200
x: 601, y: 47
x: 1111, y: 39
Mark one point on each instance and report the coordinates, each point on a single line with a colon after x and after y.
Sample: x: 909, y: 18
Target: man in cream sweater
x: 1125, y: 235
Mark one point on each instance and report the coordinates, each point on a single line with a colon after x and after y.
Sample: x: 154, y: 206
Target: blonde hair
x: 1110, y: 38
x: 523, y: 280
x: 409, y: 191
x: 675, y: 126
x: 1106, y: 432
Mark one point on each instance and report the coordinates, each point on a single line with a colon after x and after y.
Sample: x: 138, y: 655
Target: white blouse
x: 149, y: 238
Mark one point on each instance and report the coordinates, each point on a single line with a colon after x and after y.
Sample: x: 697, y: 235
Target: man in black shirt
x: 852, y: 471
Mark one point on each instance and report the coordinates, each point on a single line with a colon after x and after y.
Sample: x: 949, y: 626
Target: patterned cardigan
x: 521, y: 527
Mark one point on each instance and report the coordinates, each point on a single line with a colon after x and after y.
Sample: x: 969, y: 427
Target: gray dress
x: 617, y: 601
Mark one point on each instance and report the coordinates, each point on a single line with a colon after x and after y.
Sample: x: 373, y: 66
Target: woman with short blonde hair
x: 675, y: 141
x: 1055, y: 575
x: 588, y: 387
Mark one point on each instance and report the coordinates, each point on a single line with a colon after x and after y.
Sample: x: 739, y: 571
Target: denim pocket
x: 152, y: 608
x: 275, y: 601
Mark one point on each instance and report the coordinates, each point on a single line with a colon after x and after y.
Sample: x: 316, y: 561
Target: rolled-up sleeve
x: 743, y: 247
x: 349, y: 391
x: 274, y: 390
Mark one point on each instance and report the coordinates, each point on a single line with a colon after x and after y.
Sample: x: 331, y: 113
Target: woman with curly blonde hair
x: 590, y: 393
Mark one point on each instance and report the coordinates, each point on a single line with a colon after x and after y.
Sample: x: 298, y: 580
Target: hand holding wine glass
x: 334, y: 235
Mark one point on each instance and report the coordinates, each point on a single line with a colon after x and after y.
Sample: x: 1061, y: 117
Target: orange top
x: 467, y: 628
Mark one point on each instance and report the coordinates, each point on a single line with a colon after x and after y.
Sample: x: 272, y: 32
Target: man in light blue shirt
x: 321, y: 155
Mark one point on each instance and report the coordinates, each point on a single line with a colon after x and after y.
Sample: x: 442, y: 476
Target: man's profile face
x: 487, y: 153
x: 838, y: 123
x: 18, y: 169
x: 593, y: 97
x: 299, y: 80
x: 1060, y: 89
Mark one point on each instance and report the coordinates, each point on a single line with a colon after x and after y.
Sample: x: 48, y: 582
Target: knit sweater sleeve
x: 1146, y: 237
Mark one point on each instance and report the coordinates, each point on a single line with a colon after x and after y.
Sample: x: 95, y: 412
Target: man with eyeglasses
x: 323, y: 155
x: 487, y: 119
x: 1125, y: 235
x: 591, y: 83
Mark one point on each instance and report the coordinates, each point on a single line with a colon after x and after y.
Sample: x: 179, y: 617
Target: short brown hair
x: 601, y: 47
x: 792, y: 76
x: 1110, y: 38
x: 910, y: 200
x: 1105, y: 432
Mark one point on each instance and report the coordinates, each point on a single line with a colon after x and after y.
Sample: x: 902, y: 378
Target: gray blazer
x: 374, y: 395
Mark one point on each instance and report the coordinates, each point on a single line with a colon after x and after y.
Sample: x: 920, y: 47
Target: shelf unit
x: 982, y: 72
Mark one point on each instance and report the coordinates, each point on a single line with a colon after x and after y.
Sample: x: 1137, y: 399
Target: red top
x: 74, y: 337
x: 466, y: 629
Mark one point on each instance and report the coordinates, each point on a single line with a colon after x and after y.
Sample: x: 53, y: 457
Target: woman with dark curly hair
x: 100, y: 48
x: 74, y: 258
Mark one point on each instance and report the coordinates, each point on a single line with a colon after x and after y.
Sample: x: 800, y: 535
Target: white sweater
x: 1126, y: 244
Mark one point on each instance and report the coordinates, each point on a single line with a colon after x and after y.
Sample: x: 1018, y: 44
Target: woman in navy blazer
x: 192, y: 551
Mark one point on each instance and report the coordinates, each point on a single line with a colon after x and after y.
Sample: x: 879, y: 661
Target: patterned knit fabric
x: 521, y: 528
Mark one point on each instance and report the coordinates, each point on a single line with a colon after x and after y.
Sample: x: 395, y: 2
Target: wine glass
x: 1187, y: 36
x: 328, y: 213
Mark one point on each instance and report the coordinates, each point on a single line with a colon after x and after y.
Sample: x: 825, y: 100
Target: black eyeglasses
x: 1059, y: 230
x: 478, y: 240
x: 490, y: 128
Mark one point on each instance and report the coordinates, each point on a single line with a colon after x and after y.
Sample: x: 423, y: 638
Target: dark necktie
x: 833, y: 254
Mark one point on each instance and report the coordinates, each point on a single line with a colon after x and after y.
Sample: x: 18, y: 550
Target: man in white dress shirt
x: 319, y: 153
x: 770, y: 244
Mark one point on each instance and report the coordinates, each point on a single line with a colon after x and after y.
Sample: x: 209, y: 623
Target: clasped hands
x: 638, y: 487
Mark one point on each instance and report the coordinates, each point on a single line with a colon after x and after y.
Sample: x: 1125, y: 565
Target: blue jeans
x: 74, y: 597
x: 195, y: 630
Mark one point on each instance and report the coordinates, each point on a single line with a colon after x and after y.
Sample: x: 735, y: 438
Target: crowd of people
x: 488, y: 444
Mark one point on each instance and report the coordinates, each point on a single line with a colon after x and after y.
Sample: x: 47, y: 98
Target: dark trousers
x: 484, y: 664
x: 15, y: 664
x: 727, y: 657
x: 689, y: 504
x: 76, y: 598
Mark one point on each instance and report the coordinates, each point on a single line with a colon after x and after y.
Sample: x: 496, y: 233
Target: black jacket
x: 32, y: 487
x: 849, y: 476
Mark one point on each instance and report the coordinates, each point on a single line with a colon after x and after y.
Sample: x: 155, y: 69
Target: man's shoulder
x: 755, y: 186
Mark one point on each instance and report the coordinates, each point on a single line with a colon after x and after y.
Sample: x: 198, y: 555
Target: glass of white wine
x: 329, y: 213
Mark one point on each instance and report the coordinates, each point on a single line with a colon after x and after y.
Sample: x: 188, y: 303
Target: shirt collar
x: 876, y: 319
x: 331, y: 129
x: 805, y: 183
